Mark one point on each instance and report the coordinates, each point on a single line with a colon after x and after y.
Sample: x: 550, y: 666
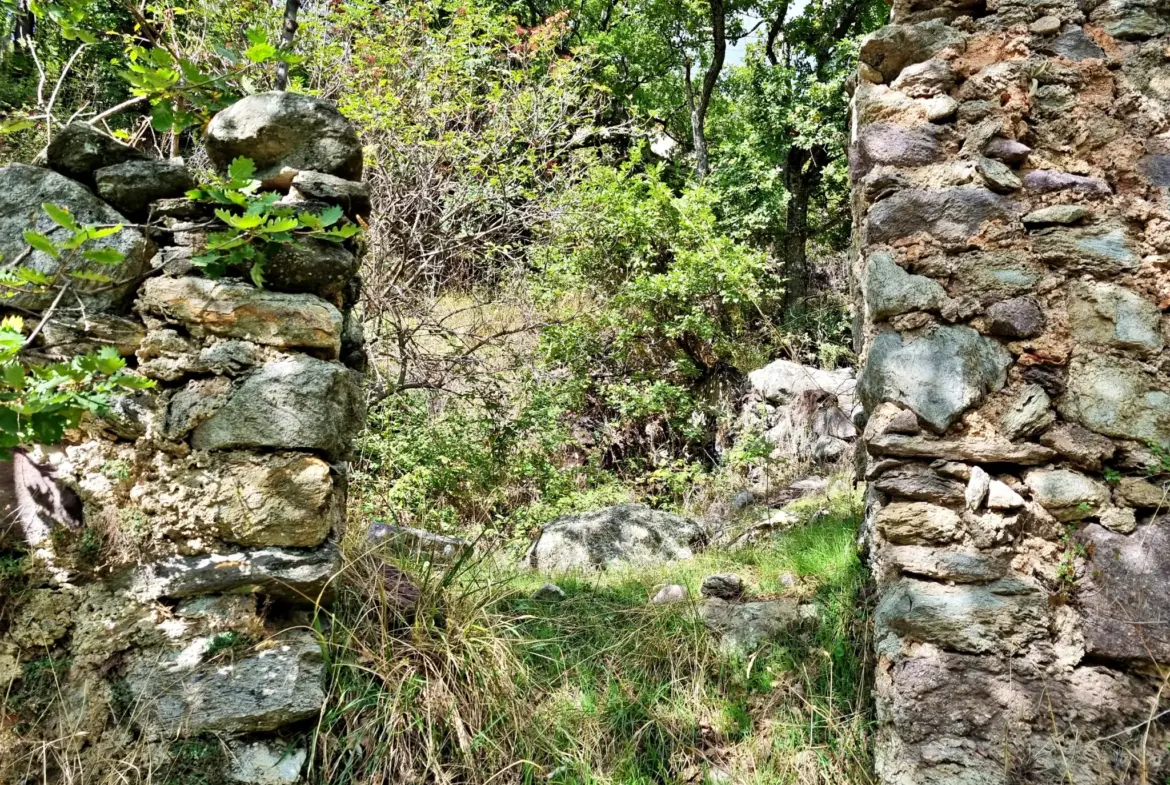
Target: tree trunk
x: 802, y: 176
x: 699, y: 104
x: 23, y: 23
x: 291, y: 7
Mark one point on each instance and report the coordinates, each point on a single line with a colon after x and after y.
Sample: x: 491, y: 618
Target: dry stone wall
x: 181, y: 543
x: 1010, y: 164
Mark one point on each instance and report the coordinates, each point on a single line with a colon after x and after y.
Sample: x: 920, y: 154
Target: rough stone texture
x: 623, y: 534
x: 670, y: 594
x: 1117, y: 397
x: 744, y: 627
x: 354, y: 197
x: 1114, y: 317
x: 881, y: 144
x: 918, y: 522
x: 938, y: 373
x: 890, y: 290
x: 724, y: 585
x: 953, y: 216
x: 260, y: 692
x: 944, y: 564
x: 260, y: 763
x: 206, y: 307
x: 299, y: 403
x: 1016, y: 318
x: 23, y: 189
x: 311, y: 267
x: 296, y: 575
x: 892, y: 48
x: 281, y: 501
x: 1068, y: 495
x: 1083, y: 447
x: 131, y: 186
x: 79, y: 149
x: 285, y: 131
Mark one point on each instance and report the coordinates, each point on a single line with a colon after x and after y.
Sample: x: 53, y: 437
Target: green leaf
x: 331, y: 215
x: 241, y: 169
x: 256, y: 35
x: 87, y: 275
x: 242, y: 222
x: 162, y: 117
x: 95, y: 233
x: 14, y: 375
x: 104, y: 255
x: 14, y: 125
x: 60, y: 216
x: 279, y: 225
x: 258, y: 53
x: 257, y: 274
x: 41, y: 243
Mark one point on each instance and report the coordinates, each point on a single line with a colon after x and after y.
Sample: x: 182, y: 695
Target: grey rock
x: 1073, y: 44
x: 1047, y: 181
x: 1002, y: 497
x: 549, y: 592
x: 1057, y: 214
x: 972, y: 112
x: 1045, y: 25
x: 259, y: 692
x: 997, y: 175
x: 262, y: 763
x: 623, y: 534
x: 1123, y: 594
x: 938, y: 373
x: 917, y: 523
x: 743, y: 627
x: 194, y: 404
x: 284, y: 133
x: 1009, y: 151
x: 974, y: 449
x: 79, y: 149
x: 1027, y: 411
x: 1104, y: 251
x: 1116, y: 397
x: 890, y: 290
x: 1155, y: 169
x: 300, y: 576
x: 131, y: 186
x: 670, y: 594
x: 65, y: 337
x: 1143, y: 493
x: 724, y: 585
x: 1121, y: 520
x: 944, y: 564
x: 921, y: 484
x: 882, y: 144
x: 926, y: 79
x: 1050, y: 377
x: 310, y: 267
x: 406, y: 539
x: 781, y: 380
x: 997, y: 618
x: 1130, y: 20
x: 894, y: 47
x: 1019, y: 317
x: 977, y: 487
x: 298, y: 403
x: 1068, y: 495
x: 939, y: 108
x: 991, y: 277
x: 1113, y: 316
x: 950, y: 215
x: 23, y: 189
x: 354, y: 197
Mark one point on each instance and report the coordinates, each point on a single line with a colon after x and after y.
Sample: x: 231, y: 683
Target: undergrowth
x: 485, y: 685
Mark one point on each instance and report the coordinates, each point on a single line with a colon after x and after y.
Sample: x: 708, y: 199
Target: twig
x: 53, y: 97
x: 48, y: 314
x: 115, y: 109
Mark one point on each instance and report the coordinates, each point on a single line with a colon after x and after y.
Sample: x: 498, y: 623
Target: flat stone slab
x: 623, y: 534
x: 743, y: 627
x: 296, y: 575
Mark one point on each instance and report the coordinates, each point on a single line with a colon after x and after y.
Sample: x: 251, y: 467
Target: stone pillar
x: 1010, y: 164
x: 174, y: 613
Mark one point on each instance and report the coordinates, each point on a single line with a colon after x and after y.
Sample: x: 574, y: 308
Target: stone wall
x: 1010, y: 165
x: 180, y: 544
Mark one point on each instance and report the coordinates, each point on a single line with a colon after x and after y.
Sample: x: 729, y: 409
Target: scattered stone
x: 890, y: 290
x: 744, y: 627
x: 724, y: 585
x: 938, y: 373
x: 1057, y: 214
x: 310, y: 267
x: 977, y: 487
x: 1016, y: 318
x: 1122, y: 520
x: 1068, y: 495
x: 409, y: 540
x: 399, y: 593
x: 264, y: 691
x: 1142, y: 493
x: 921, y: 484
x: 623, y: 534
x: 909, y: 523
x: 1045, y: 25
x: 206, y: 307
x: 998, y: 176
x: 285, y: 133
x: 997, y: 618
x: 1002, y: 497
x: 549, y: 592
x: 1009, y: 151
x: 894, y: 47
x: 79, y: 149
x: 1123, y: 593
x: 299, y: 403
x: 23, y: 189
x: 353, y: 197
x: 943, y: 564
x: 1047, y: 181
x: 972, y: 449
x: 261, y: 763
x: 1116, y: 397
x: 131, y: 186
x: 926, y: 79
x: 1114, y: 316
x: 1073, y: 45
x: 950, y: 215
x: 670, y: 594
x: 297, y: 575
x: 882, y: 144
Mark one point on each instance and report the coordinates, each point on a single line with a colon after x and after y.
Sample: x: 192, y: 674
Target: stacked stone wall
x: 1010, y: 165
x: 180, y: 543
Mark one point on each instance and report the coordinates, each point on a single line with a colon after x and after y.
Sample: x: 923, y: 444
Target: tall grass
x: 485, y: 685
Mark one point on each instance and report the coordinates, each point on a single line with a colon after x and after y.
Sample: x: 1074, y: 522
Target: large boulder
x: 780, y: 380
x: 285, y: 133
x: 939, y: 373
x: 623, y: 534
x: 277, y: 686
x: 298, y: 403
x: 231, y: 310
x: 79, y: 149
x: 23, y: 189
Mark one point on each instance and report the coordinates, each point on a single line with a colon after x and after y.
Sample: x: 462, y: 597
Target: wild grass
x: 485, y: 685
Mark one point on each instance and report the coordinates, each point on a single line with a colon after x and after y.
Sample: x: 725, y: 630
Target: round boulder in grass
x: 613, y: 536
x: 283, y: 134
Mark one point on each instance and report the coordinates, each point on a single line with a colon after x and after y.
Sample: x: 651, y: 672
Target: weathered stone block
x: 918, y: 523
x: 79, y: 149
x: 1116, y: 397
x: 1113, y: 316
x: 310, y: 267
x: 278, y: 500
x: 353, y: 197
x: 131, y: 186
x: 950, y: 215
x: 944, y: 564
x: 743, y: 627
x: 622, y: 534
x: 1068, y: 495
x: 894, y: 47
x: 882, y: 144
x: 296, y: 575
x: 1099, y: 251
x: 972, y: 449
x: 890, y: 290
